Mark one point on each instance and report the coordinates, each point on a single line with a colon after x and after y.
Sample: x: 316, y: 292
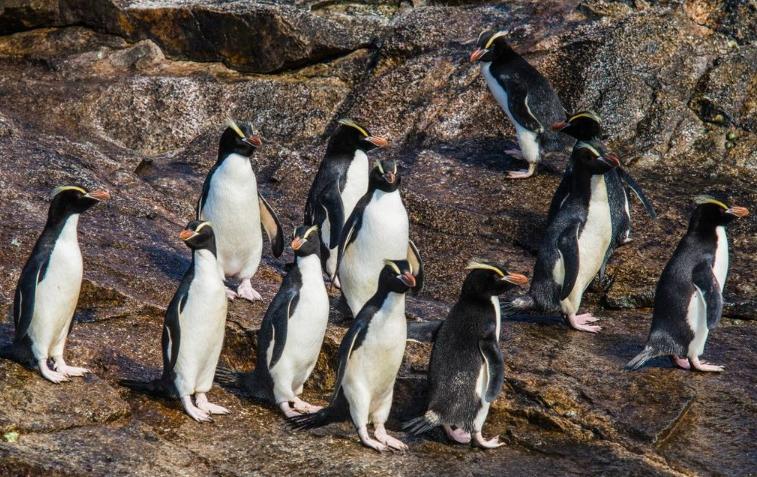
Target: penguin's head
x: 490, y: 46
x: 488, y: 279
x: 67, y: 200
x: 385, y: 176
x: 584, y: 126
x: 714, y: 211
x: 593, y: 160
x: 305, y: 241
x: 398, y: 276
x: 238, y: 138
x: 198, y: 235
x: 350, y: 137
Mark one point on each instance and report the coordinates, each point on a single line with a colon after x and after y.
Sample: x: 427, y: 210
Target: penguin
x: 370, y: 356
x: 576, y: 241
x: 231, y: 201
x: 193, y: 329
x: 377, y: 228
x: 341, y: 180
x: 292, y: 331
x: 689, y: 296
x: 525, y: 96
x: 467, y: 369
x: 48, y: 288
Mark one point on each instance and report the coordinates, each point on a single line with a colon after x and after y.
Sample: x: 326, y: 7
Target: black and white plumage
x: 341, y: 180
x: 193, y: 329
x: 467, y: 368
x: 292, y: 331
x: 231, y: 201
x: 525, y: 95
x: 377, y: 228
x: 585, y: 127
x: 689, y: 296
x: 49, y: 285
x: 576, y: 241
x: 370, y: 356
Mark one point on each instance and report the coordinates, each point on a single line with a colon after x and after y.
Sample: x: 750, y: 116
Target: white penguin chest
x: 233, y: 208
x: 384, y: 232
x: 58, y: 292
x: 356, y: 182
x: 596, y: 235
x: 720, y: 264
x: 307, y: 325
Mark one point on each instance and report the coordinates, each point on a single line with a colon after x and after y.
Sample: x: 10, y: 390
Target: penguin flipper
x: 637, y: 190
x: 567, y: 244
x: 489, y: 348
x: 351, y: 342
x: 416, y: 264
x: 331, y: 201
x: 25, y: 298
x: 709, y: 289
x: 204, y: 194
x: 276, y: 323
x: 349, y: 233
x: 272, y: 226
x: 517, y: 103
x: 561, y: 194
x: 171, y: 337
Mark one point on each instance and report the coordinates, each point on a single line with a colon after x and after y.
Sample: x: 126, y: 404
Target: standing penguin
x: 231, y: 201
x: 193, y: 329
x: 49, y: 285
x: 526, y: 97
x: 576, y: 241
x: 467, y: 368
x: 376, y: 229
x: 341, y: 181
x: 292, y: 331
x: 689, y: 297
x: 369, y: 358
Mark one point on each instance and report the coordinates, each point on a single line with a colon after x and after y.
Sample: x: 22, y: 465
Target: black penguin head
x: 398, y: 276
x: 305, y: 241
x: 487, y: 279
x: 591, y: 159
x: 238, y: 138
x: 350, y: 137
x: 584, y: 126
x: 713, y: 211
x: 490, y: 46
x: 198, y: 235
x: 384, y: 176
x: 67, y: 200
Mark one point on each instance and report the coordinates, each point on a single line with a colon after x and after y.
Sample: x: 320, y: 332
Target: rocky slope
x: 131, y: 95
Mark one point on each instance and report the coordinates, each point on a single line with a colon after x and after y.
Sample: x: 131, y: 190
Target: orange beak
x: 297, y: 243
x: 100, y: 194
x: 559, y: 126
x: 255, y: 140
x: 390, y: 177
x: 739, y: 212
x: 516, y: 279
x: 476, y: 55
x: 186, y: 234
x: 408, y: 279
x: 377, y: 141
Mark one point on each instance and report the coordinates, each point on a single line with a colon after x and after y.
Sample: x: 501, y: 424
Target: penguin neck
x: 64, y: 226
x: 702, y: 228
x: 581, y: 181
x: 234, y: 159
x: 309, y: 265
x: 393, y: 302
x: 204, y: 261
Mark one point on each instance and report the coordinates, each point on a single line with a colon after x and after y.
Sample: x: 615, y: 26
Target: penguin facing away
x: 525, y: 96
x: 467, y: 368
x: 370, y: 356
x: 377, y: 228
x: 48, y: 287
x: 576, y: 241
x: 193, y: 329
x: 292, y: 331
x: 689, y: 296
x: 231, y: 201
x: 341, y: 180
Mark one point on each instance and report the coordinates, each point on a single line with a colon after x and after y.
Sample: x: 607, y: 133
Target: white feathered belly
x: 696, y: 317
x: 720, y: 264
x: 232, y: 207
x: 58, y: 293
x: 383, y: 235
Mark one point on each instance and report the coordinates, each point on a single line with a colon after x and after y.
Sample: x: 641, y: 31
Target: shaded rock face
x: 131, y: 96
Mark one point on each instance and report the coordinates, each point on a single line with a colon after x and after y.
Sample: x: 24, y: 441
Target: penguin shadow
x: 171, y: 263
x: 486, y: 153
x: 533, y: 318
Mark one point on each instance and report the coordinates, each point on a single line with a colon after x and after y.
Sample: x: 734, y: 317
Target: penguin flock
x: 356, y: 233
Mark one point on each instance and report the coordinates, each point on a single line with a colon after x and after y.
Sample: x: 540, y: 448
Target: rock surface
x: 131, y: 95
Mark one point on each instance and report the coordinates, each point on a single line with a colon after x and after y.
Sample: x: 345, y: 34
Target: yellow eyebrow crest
x: 474, y: 265
x: 586, y: 114
x: 60, y: 189
x: 499, y: 34
x: 708, y: 199
x: 309, y: 231
x: 353, y: 124
x: 200, y: 227
x: 393, y: 265
x: 233, y: 125
x: 379, y: 166
x: 586, y: 145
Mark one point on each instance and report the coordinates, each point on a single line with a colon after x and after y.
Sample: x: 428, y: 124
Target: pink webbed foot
x: 706, y: 367
x: 49, y: 374
x: 679, y: 362
x: 202, y: 403
x: 194, y: 412
x: 581, y: 322
x: 458, y: 435
x: 305, y: 407
x: 383, y: 437
x: 246, y: 291
x: 231, y: 294
x: 522, y: 174
x: 368, y: 441
x: 287, y: 409
x: 69, y: 371
x: 492, y: 443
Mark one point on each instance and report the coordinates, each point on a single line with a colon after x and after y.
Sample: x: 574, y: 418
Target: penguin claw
x: 231, y: 294
x: 458, y: 435
x: 492, y: 443
x: 391, y: 442
x: 72, y: 371
x: 246, y: 291
x: 305, y: 407
x: 580, y: 323
x: 288, y: 411
x: 706, y: 367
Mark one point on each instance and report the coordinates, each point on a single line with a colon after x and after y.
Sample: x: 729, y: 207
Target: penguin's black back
x: 456, y: 361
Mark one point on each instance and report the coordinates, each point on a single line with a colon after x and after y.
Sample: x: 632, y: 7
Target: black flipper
x: 205, y: 191
x: 517, y: 103
x: 279, y: 312
x: 568, y: 246
x: 331, y: 201
x: 350, y: 231
x: 351, y: 342
x: 416, y: 262
x: 561, y: 194
x: 708, y: 286
x: 494, y: 361
x: 636, y: 188
x: 272, y: 226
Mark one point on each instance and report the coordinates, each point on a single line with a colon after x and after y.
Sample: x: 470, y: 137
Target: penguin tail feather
x: 227, y: 377
x: 637, y: 362
x: 337, y: 411
x: 422, y: 424
x: 525, y: 302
